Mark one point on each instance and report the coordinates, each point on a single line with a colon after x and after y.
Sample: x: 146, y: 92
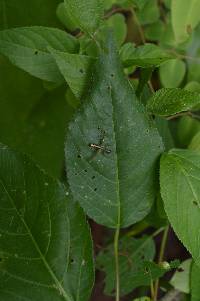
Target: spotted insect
x: 100, y: 147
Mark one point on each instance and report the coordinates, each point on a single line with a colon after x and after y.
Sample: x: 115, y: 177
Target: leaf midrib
x: 116, y: 163
x: 58, y: 284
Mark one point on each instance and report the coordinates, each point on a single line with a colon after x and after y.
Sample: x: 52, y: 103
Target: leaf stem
x: 140, y: 29
x: 116, y: 252
x: 160, y: 259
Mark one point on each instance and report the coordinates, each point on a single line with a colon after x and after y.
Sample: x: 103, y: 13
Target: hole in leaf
x: 112, y: 75
x: 195, y: 203
x: 85, y: 170
x: 95, y: 189
x: 81, y: 71
x: 78, y: 156
x: 71, y: 260
x: 36, y: 52
x: 93, y: 177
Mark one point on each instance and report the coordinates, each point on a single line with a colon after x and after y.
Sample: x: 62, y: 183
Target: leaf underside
x: 180, y: 189
x: 34, y: 231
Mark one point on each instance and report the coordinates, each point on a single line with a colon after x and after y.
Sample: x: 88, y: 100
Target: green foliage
x: 75, y: 68
x: 181, y: 278
x: 134, y: 254
x: 185, y: 18
x: 143, y: 56
x: 87, y: 14
x: 179, y: 178
x: 167, y: 102
x: 96, y: 178
x: 90, y: 107
x: 27, y: 48
x: 172, y: 73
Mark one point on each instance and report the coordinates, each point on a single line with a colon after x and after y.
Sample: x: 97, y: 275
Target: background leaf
x: 185, y: 18
x: 172, y: 73
x: 133, y: 254
x: 34, y: 231
x: 12, y: 14
x: 179, y: 178
x: 27, y: 48
x: 110, y: 185
x: 167, y: 102
x: 32, y: 119
x: 144, y: 56
x: 87, y: 14
x: 181, y: 278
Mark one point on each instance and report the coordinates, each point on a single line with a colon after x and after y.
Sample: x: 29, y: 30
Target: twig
x: 160, y: 259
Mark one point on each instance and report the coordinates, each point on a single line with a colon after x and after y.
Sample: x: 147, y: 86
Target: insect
x: 100, y: 147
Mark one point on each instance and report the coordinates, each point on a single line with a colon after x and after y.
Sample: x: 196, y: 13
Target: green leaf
x: 154, y: 31
x: 27, y: 48
x: 65, y: 17
x: 172, y: 73
x: 163, y: 129
x: 193, y: 86
x: 87, y: 14
x: 165, y: 102
x: 132, y: 264
x: 145, y: 56
x: 76, y: 70
x: 195, y: 143
x: 185, y: 17
x: 195, y: 281
x: 34, y: 231
x: 150, y: 13
x: 113, y: 187
x: 80, y: 272
x: 181, y: 278
x: 193, y: 50
x: 187, y: 128
x: 180, y: 190
x: 118, y: 23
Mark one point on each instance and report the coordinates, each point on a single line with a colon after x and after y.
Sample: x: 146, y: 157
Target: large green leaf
x: 80, y: 276
x: 76, y: 70
x: 195, y: 282
x: 87, y: 13
x: 185, y: 17
x: 27, y: 48
x: 133, y: 254
x: 180, y: 189
x: 167, y: 102
x: 115, y: 186
x: 144, y: 56
x: 34, y: 231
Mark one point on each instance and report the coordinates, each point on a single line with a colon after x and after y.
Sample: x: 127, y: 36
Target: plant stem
x: 160, y: 259
x: 116, y: 252
x: 140, y: 29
